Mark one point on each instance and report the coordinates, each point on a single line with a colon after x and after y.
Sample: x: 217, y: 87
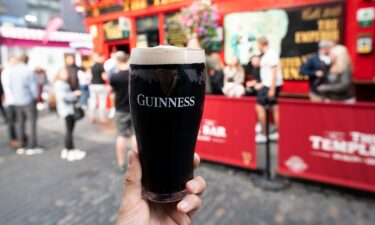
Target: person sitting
x: 339, y: 79
x: 254, y: 85
x: 316, y: 68
x: 216, y: 74
x: 234, y: 77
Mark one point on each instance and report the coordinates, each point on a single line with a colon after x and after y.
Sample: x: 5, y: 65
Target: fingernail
x: 184, y: 205
x: 130, y: 157
x: 194, y: 185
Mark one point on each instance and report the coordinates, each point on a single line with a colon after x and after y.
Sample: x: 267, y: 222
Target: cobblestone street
x: 45, y: 190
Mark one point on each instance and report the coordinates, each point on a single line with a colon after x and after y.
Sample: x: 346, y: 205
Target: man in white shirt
x: 272, y: 80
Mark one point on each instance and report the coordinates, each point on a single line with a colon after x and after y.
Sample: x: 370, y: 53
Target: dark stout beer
x: 167, y: 88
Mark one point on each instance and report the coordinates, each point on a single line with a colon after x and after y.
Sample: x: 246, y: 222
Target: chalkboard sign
x: 307, y: 26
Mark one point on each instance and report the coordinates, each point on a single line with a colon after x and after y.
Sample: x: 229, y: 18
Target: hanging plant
x: 199, y: 21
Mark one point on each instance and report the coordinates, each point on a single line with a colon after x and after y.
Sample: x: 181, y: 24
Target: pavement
x: 45, y: 190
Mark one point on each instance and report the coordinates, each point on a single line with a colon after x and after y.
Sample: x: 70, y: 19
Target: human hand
x: 258, y: 86
x: 319, y: 73
x: 250, y: 83
x: 271, y: 93
x: 77, y: 93
x: 135, y: 210
x: 321, y: 88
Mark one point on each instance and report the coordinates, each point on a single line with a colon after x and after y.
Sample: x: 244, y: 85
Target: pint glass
x: 167, y: 88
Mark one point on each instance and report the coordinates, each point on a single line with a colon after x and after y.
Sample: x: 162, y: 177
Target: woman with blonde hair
x: 339, y: 79
x: 65, y: 100
x: 234, y: 77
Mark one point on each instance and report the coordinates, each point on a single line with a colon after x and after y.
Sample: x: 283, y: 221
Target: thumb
x: 133, y: 187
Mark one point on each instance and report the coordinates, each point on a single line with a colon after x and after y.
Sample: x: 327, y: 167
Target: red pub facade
x: 124, y: 24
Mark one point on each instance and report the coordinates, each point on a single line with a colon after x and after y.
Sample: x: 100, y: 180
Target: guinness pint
x: 167, y: 88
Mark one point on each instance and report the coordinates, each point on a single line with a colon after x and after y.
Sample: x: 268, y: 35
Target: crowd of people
x: 329, y: 72
x: 76, y: 90
x: 73, y: 91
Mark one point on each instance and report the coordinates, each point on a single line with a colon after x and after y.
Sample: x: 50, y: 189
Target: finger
x: 189, y: 203
x: 197, y: 160
x: 196, y: 186
x: 193, y: 212
x: 177, y: 216
x: 132, y: 189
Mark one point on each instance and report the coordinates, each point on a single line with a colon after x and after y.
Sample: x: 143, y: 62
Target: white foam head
x: 164, y: 54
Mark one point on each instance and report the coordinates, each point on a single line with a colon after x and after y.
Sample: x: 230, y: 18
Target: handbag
x: 79, y: 113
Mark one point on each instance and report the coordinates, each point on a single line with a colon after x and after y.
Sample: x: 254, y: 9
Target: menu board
x: 174, y: 35
x: 115, y: 30
x: 308, y: 26
x: 294, y: 33
x: 147, y: 31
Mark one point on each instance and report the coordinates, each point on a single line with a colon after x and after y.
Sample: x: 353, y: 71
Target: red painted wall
x: 364, y: 65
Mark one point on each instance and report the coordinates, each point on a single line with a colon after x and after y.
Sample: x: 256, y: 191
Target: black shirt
x: 256, y: 73
x: 97, y: 70
x: 120, y: 85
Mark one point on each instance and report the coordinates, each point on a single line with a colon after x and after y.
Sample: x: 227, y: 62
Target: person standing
x: 98, y: 90
x: 24, y: 89
x: 272, y: 80
x: 72, y: 69
x: 120, y: 83
x: 316, y: 68
x: 110, y: 65
x: 42, y: 81
x: 65, y: 100
x: 84, y: 77
x: 6, y: 76
x: 2, y: 110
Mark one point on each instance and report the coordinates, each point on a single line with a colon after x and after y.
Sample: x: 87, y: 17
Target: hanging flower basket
x: 199, y: 21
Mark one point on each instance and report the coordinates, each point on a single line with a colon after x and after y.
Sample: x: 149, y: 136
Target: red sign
x: 227, y: 131
x: 333, y: 143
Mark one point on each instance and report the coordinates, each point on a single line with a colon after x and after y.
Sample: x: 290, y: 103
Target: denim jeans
x: 27, y: 114
x: 85, y: 94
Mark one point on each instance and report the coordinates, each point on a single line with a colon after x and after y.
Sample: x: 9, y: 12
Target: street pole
x: 268, y: 146
x: 268, y: 182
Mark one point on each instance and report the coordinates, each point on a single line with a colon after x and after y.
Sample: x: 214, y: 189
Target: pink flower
x: 204, y: 15
x: 214, y: 16
x: 201, y: 30
x: 189, y: 22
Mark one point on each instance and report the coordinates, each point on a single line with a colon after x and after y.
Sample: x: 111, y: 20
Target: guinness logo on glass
x: 168, y: 80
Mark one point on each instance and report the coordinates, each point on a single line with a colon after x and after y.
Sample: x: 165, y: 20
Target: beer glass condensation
x: 167, y: 88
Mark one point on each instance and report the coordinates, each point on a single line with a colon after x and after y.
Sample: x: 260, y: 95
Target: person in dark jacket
x: 252, y: 86
x: 2, y: 110
x: 216, y: 74
x: 339, y: 86
x: 316, y: 68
